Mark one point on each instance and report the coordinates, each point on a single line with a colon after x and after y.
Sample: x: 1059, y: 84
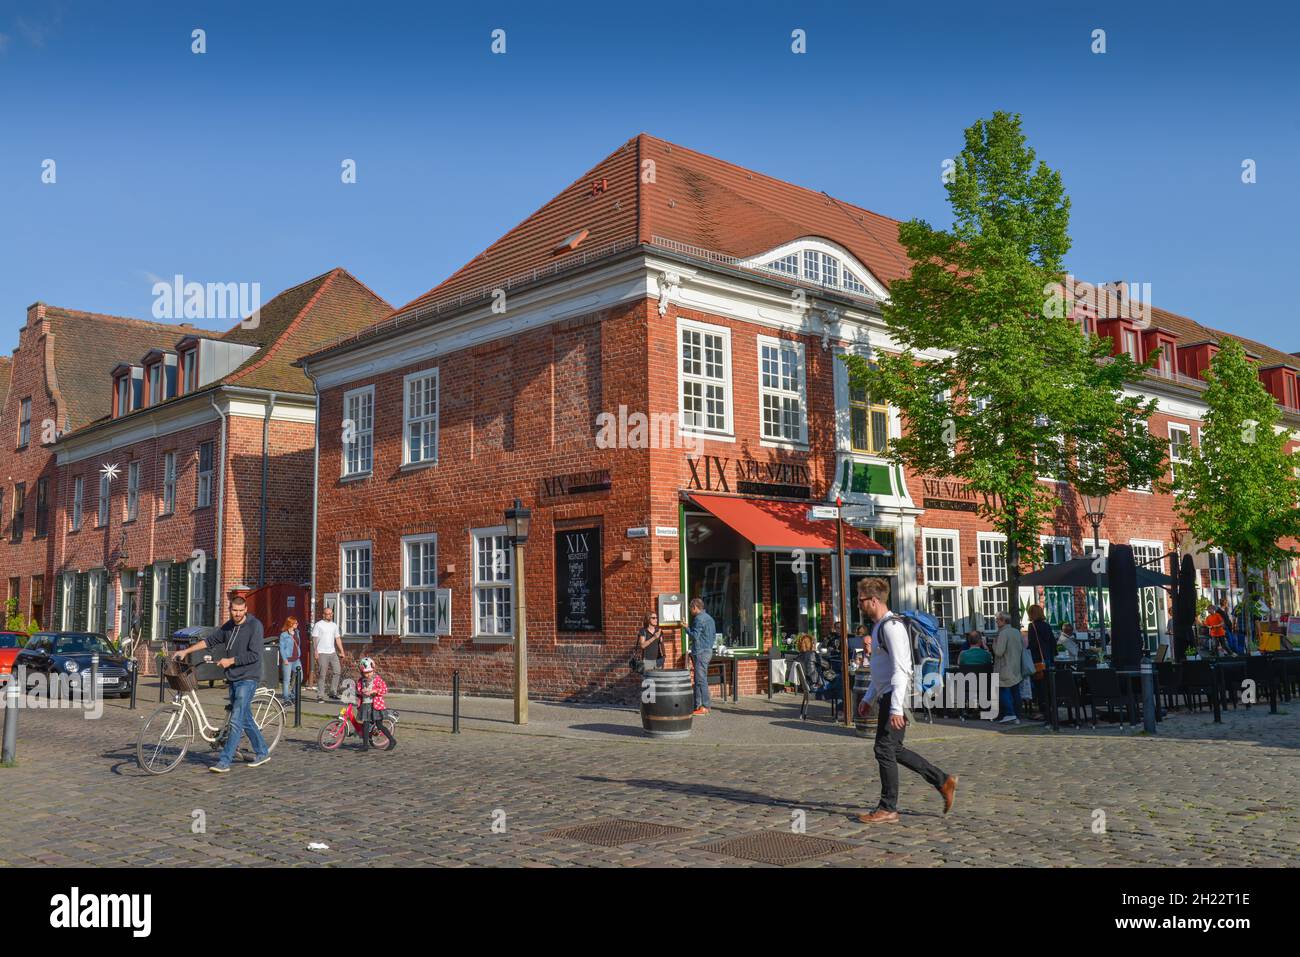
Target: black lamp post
x: 1094, y: 507
x: 518, y: 520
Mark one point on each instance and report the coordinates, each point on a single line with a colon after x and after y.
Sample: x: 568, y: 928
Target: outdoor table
x: 1232, y: 673
x: 724, y: 662
x: 1133, y: 690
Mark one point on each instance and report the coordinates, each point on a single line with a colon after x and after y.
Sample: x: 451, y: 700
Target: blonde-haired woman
x: 290, y: 656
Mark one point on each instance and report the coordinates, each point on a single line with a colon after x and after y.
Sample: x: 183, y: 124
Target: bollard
x: 93, y: 691
x: 1051, y: 696
x: 11, y: 720
x: 297, y: 697
x: 455, y: 702
x: 161, y: 660
x: 1148, y: 698
x: 135, y: 674
x: 1216, y: 692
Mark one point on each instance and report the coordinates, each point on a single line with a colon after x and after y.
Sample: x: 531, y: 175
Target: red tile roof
x: 649, y: 191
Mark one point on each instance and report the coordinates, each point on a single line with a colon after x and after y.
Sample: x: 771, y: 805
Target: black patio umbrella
x: 1185, y: 609
x: 1078, y: 573
x: 1125, y: 623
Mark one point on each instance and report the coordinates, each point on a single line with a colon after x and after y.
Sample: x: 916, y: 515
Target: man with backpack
x: 891, y: 686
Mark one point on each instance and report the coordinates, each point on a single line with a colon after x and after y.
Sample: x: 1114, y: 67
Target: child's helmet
x: 367, y: 664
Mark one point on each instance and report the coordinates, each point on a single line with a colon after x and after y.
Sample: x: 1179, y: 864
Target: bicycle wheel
x: 332, y: 735
x: 382, y: 736
x: 164, y: 739
x: 268, y: 715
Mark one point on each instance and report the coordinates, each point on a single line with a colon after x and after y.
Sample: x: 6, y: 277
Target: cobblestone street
x: 1197, y: 794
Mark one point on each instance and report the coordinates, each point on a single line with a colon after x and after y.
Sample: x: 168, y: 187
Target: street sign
x: 823, y: 512
x: 857, y: 513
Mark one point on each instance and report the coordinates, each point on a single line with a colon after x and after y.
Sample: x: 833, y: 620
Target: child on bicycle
x: 370, y: 692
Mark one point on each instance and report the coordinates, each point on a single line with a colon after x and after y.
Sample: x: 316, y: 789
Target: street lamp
x: 1094, y: 507
x: 518, y: 520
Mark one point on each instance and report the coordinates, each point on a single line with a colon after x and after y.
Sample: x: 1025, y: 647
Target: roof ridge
x: 64, y: 312
x: 278, y: 342
x: 773, y: 179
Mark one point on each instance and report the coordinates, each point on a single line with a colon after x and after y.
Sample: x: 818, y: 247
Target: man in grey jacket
x: 703, y: 632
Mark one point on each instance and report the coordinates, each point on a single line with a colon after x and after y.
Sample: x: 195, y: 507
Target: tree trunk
x: 1248, y: 610
x: 1013, y: 570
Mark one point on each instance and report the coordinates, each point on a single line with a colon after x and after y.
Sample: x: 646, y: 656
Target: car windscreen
x: 80, y: 645
x: 10, y: 641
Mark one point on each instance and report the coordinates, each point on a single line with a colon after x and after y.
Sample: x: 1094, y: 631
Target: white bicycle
x: 169, y: 732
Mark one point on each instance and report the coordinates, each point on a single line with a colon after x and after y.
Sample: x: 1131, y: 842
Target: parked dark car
x: 68, y: 653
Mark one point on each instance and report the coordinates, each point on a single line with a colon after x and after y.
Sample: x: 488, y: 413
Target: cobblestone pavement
x: 1197, y: 794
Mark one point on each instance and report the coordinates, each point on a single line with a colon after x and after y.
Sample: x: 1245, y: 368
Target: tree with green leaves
x: 994, y: 380
x: 1238, y: 490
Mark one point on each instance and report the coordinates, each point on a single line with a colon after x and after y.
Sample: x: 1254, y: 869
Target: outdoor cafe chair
x: 1104, y: 684
x: 979, y: 671
x: 1197, y: 680
x: 1169, y: 674
x: 1263, y: 672
x: 1070, y: 696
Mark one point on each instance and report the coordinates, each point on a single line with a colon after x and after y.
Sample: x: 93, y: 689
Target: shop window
x: 421, y: 418
x: 354, y: 596
x: 993, y: 569
x: 705, y: 377
x: 493, y: 584
x: 358, y: 426
x: 781, y: 389
x: 942, y: 576
x: 419, y: 585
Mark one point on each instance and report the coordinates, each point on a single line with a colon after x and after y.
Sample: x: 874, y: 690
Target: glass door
x: 794, y: 596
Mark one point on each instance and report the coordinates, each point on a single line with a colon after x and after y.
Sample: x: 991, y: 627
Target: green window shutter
x: 177, y: 587
x: 56, y: 619
x: 210, y: 595
x: 144, y: 595
x: 81, y: 596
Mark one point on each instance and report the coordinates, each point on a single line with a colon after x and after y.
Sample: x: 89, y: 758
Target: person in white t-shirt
x: 329, y: 653
x: 891, y: 687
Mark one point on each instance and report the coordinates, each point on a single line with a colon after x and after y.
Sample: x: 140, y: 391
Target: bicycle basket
x: 179, y: 677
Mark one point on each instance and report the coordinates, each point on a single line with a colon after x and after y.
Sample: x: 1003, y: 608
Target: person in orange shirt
x: 1216, y: 621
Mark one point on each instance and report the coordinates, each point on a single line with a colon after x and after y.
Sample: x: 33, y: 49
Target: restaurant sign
x: 556, y: 486
x: 577, y: 579
x: 948, y: 495
x: 718, y: 473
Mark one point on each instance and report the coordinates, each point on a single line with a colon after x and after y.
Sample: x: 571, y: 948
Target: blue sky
x: 225, y: 167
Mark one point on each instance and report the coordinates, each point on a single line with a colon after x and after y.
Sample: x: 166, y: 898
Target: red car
x: 11, y: 642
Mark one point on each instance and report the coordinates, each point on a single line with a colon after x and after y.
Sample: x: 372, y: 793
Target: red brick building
x: 54, y: 383
x: 650, y: 362
x: 183, y: 472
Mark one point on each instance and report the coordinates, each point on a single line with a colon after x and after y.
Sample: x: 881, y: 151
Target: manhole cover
x: 615, y: 832
x: 777, y: 847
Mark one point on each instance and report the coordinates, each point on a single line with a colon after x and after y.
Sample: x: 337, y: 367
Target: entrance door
x: 794, y: 595
x: 130, y: 608
x: 1149, y: 604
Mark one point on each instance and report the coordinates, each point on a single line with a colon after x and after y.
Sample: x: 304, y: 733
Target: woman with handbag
x: 1042, y: 649
x: 650, y: 644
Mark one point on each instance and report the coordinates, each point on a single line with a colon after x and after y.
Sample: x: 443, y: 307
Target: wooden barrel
x: 667, y: 700
x: 863, y: 727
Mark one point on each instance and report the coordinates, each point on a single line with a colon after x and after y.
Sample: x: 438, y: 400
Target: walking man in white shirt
x: 329, y: 653
x: 891, y: 687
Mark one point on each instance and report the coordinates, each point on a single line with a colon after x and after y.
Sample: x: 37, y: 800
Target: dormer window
x: 155, y: 383
x: 123, y: 394
x: 821, y: 263
x: 1129, y: 341
x: 189, y: 371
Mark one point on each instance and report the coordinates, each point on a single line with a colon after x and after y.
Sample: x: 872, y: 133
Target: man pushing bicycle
x: 241, y: 640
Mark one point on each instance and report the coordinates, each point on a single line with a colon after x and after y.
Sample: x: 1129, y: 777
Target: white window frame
x: 203, y: 481
x: 68, y: 583
x: 992, y: 600
x: 94, y: 591
x: 503, y: 553
x: 1174, y: 463
x: 189, y: 379
x: 704, y: 381
x: 169, y: 483
x: 196, y: 591
x: 132, y: 509
x: 930, y: 583
x: 154, y: 384
x: 357, y: 591
x: 105, y: 496
x: 409, y: 420
x: 124, y: 389
x: 358, y: 435
x: 161, y: 598
x: 409, y: 590
x: 782, y: 394
x: 78, y: 501
x: 1064, y: 542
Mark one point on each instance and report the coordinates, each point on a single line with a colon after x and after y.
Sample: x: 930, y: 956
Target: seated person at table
x: 1071, y: 642
x: 977, y: 652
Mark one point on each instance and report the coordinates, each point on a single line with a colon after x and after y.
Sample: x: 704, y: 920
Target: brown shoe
x: 879, y: 816
x: 949, y: 792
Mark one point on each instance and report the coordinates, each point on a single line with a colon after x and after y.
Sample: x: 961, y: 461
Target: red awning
x: 783, y: 526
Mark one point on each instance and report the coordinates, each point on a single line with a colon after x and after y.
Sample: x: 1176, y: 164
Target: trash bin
x: 205, y: 662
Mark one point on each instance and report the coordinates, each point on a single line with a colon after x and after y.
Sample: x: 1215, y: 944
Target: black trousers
x: 890, y: 753
x: 372, y: 718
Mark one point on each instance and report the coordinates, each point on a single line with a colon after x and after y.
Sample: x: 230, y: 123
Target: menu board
x: 577, y: 579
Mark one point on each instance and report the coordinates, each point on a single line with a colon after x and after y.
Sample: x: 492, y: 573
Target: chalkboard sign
x: 577, y: 579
